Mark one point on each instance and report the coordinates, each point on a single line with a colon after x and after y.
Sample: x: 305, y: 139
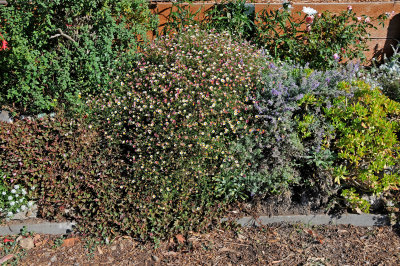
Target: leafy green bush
x: 367, y: 143
x: 59, y: 51
x: 182, y: 109
x: 317, y: 39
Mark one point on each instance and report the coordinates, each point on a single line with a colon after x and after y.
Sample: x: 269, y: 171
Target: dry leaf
x: 69, y: 242
x: 99, y: 250
x: 41, y: 243
x: 6, y: 258
x: 180, y: 239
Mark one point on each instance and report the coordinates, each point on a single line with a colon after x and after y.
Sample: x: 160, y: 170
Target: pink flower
x: 367, y: 20
x: 359, y: 19
x: 349, y: 8
x: 336, y: 57
x: 308, y: 28
x: 310, y: 19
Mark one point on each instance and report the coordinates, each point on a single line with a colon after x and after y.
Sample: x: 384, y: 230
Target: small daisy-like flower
x: 309, y: 11
x: 10, y: 197
x: 13, y: 191
x: 16, y: 186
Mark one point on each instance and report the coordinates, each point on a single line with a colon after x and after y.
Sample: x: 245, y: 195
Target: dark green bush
x: 59, y: 51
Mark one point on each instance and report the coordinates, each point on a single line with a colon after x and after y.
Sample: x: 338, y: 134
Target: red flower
x: 3, y: 43
x: 7, y: 240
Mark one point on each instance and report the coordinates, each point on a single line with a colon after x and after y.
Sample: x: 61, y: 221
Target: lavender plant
x: 290, y: 111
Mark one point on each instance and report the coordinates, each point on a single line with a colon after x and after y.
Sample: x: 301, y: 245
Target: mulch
x: 276, y: 244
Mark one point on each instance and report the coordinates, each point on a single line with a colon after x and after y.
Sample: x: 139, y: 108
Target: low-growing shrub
x: 59, y: 51
x: 70, y: 167
x: 367, y: 143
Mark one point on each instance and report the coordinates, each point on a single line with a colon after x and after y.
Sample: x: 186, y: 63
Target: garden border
x: 362, y: 220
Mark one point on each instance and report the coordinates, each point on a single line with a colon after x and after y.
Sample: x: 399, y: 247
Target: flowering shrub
x: 367, y: 143
x: 61, y: 51
x: 177, y: 116
x: 317, y: 39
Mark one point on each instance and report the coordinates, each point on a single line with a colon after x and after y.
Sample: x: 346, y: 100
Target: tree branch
x: 62, y: 34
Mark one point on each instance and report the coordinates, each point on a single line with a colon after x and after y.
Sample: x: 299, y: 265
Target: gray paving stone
x: 42, y: 228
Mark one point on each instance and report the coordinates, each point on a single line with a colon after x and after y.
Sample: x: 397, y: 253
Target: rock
x: 5, y: 117
x: 27, y: 243
x: 113, y: 248
x: 155, y: 258
x: 53, y: 259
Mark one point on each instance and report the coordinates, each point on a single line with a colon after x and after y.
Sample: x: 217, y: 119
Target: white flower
x: 12, y: 203
x: 21, y: 200
x: 13, y: 191
x: 17, y: 210
x: 30, y: 204
x: 23, y: 192
x: 309, y: 11
x: 9, y: 214
x: 23, y: 207
x: 3, y: 193
x: 16, y: 186
x: 10, y: 197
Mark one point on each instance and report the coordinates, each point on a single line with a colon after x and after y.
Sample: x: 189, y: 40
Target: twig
x: 62, y: 34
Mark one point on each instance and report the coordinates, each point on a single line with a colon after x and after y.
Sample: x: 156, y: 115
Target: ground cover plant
x: 59, y: 51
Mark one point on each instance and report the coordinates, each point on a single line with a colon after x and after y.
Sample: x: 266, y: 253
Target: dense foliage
x: 59, y: 51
